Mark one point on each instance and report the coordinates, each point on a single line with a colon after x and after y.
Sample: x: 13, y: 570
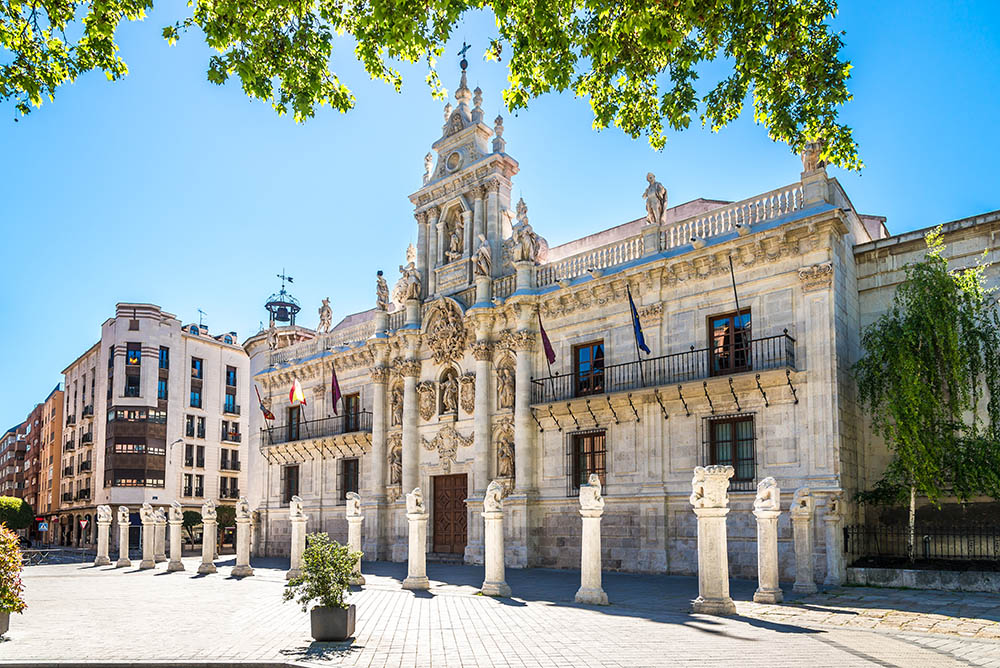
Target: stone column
x: 379, y: 459
x: 802, y: 516
x: 524, y: 430
x: 103, y: 535
x: 209, y: 523
x: 176, y: 521
x: 123, y: 524
x: 767, y: 509
x: 242, y: 568
x: 525, y: 275
x: 148, y: 537
x: 492, y: 224
x: 354, y: 520
x: 421, y: 262
x: 442, y: 244
x: 478, y: 220
x: 416, y: 568
x: 836, y: 569
x: 160, y: 540
x: 591, y: 509
x: 432, y: 249
x: 467, y: 230
x: 710, y: 498
x: 482, y: 351
x: 298, y: 520
x: 495, y: 583
x: 411, y: 443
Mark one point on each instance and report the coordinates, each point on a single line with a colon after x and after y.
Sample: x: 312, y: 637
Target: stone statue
x: 656, y: 201
x: 176, y: 512
x: 104, y: 514
x: 505, y: 458
x: 381, y: 292
x: 159, y: 517
x: 590, y: 494
x: 524, y: 243
x: 295, y: 508
x: 396, y: 402
x: 768, y: 495
x: 810, y: 156
x: 802, y: 503
x: 454, y: 251
x: 146, y: 515
x: 697, y: 497
x: 428, y: 166
x: 123, y: 515
x: 505, y: 387
x: 272, y: 338
x: 484, y: 258
x: 409, y: 282
x: 709, y: 486
x: 835, y: 506
x: 243, y: 509
x: 396, y: 464
x: 494, y: 496
x: 415, y: 502
x: 353, y: 508
x: 325, y: 317
x: 208, y: 510
x: 449, y: 395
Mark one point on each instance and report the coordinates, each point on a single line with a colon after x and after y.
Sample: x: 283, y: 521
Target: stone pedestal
x: 148, y: 542
x: 836, y: 569
x: 297, y: 548
x: 176, y: 545
x: 525, y: 275
x: 484, y: 290
x: 208, y: 538
x: 591, y: 508
x: 160, y: 537
x: 103, y: 540
x: 123, y: 525
x: 650, y: 240
x: 416, y: 562
x: 354, y: 543
x: 495, y: 583
x: 802, y: 517
x: 710, y: 499
x: 412, y: 312
x: 242, y: 568
x: 381, y: 322
x: 815, y: 186
x: 768, y: 590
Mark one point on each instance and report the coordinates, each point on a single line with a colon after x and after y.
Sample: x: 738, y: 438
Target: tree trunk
x: 912, y: 547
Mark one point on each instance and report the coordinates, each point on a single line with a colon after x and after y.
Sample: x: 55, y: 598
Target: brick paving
x: 81, y: 614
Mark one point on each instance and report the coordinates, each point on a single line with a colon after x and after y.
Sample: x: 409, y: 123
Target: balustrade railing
x: 333, y: 426
x: 605, y: 256
x: 503, y: 286
x: 770, y: 352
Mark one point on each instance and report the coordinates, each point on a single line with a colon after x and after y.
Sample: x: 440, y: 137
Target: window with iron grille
x: 289, y: 482
x: 730, y: 441
x: 586, y: 453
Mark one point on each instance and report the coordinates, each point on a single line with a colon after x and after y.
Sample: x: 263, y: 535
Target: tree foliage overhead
x: 636, y: 61
x: 930, y: 377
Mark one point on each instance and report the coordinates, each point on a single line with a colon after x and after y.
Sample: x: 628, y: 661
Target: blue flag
x: 640, y: 340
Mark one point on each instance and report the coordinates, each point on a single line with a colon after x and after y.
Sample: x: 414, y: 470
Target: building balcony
x: 70, y: 420
x: 70, y: 445
x: 67, y: 497
x: 229, y: 466
x: 231, y: 436
x: 772, y: 352
x: 87, y: 438
x: 84, y: 466
x: 351, y: 423
x: 83, y: 495
x: 231, y: 409
x: 88, y: 411
x: 68, y: 470
x: 229, y: 494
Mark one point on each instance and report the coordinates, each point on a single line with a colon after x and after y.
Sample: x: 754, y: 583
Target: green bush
x: 11, y: 589
x: 15, y: 513
x: 326, y: 573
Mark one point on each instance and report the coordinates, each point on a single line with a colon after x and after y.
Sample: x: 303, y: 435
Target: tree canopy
x: 636, y: 62
x: 930, y: 376
x: 15, y: 513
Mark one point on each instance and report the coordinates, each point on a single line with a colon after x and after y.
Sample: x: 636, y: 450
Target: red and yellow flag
x: 296, y: 396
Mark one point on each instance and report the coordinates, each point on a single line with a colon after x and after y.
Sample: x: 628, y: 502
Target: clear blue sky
x: 164, y: 188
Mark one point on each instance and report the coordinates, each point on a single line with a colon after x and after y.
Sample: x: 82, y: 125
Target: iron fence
x: 333, y: 426
x: 954, y: 543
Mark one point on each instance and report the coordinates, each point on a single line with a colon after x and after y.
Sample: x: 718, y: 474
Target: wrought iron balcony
x: 772, y: 352
x: 83, y: 494
x: 87, y: 438
x: 70, y: 419
x: 342, y: 424
x: 231, y: 436
x: 229, y: 494
x: 67, y: 496
x: 88, y: 411
x: 231, y: 409
x: 70, y: 445
x: 68, y: 470
x: 84, y: 466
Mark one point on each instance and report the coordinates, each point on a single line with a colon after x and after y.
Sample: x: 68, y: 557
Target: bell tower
x: 465, y: 198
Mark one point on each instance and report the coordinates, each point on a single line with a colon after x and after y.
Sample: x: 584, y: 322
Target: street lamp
x: 170, y: 449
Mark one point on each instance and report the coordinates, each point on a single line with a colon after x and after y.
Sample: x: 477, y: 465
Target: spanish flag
x: 296, y: 396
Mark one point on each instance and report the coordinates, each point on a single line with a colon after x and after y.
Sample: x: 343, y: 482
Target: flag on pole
x: 296, y: 396
x: 550, y: 353
x: 640, y: 340
x: 335, y: 389
x: 268, y: 415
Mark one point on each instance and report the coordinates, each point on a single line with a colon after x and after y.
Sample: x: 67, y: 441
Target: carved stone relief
x: 468, y: 392
x: 426, y: 399
x: 446, y: 335
x: 446, y: 442
x: 816, y: 277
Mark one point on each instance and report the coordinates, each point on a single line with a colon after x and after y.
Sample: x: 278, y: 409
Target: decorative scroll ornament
x: 816, y: 277
x: 446, y: 334
x: 425, y: 391
x: 468, y: 392
x: 447, y: 442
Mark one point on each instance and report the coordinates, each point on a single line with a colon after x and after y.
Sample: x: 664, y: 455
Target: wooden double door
x: 450, y: 517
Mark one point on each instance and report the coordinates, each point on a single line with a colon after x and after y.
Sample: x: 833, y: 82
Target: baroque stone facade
x: 454, y: 390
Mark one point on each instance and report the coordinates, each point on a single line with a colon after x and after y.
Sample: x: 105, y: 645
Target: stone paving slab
x: 105, y: 616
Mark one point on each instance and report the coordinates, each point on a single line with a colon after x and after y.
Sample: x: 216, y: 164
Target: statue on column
x: 810, y: 156
x: 409, y: 282
x: 123, y: 515
x: 381, y: 292
x: 768, y: 495
x: 492, y: 501
x: 104, y: 514
x: 176, y: 512
x: 243, y: 509
x: 590, y: 494
x: 415, y: 502
x: 325, y: 317
x: 524, y: 244
x: 484, y: 258
x: 272, y: 338
x: 656, y: 201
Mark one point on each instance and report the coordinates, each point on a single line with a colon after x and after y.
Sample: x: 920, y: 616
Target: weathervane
x: 464, y: 64
x: 284, y: 278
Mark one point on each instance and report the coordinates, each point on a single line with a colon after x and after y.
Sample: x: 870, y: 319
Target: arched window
x: 193, y: 330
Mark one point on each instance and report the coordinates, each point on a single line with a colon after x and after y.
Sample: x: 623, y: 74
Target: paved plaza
x: 82, y: 614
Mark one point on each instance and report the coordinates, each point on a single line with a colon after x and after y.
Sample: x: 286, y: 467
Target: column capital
x: 409, y: 368
x: 493, y: 185
x: 482, y: 351
x: 480, y: 191
x: 379, y: 374
x: 432, y: 213
x: 523, y: 340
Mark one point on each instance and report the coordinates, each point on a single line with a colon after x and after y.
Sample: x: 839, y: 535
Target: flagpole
x: 635, y: 335
x: 736, y: 297
x: 544, y: 352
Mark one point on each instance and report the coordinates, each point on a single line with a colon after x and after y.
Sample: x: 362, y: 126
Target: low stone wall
x: 983, y: 581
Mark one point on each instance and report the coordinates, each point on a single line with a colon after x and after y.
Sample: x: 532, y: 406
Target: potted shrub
x: 11, y: 589
x: 326, y: 572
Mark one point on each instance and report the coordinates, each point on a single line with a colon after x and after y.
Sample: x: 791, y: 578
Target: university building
x: 751, y: 311
x: 153, y: 413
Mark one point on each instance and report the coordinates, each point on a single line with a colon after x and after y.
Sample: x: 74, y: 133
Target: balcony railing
x: 229, y: 466
x: 67, y: 496
x: 231, y: 436
x: 68, y: 470
x: 88, y: 411
x: 342, y: 424
x: 83, y: 494
x: 70, y: 419
x: 772, y: 352
x: 229, y: 494
x: 187, y: 491
x: 231, y: 409
x: 70, y: 445
x: 87, y: 438
x: 84, y: 466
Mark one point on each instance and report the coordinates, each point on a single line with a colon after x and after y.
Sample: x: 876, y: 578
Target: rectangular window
x: 348, y: 477
x: 133, y: 354
x: 188, y: 487
x: 199, y: 485
x: 731, y: 443
x: 588, y: 363
x: 224, y: 459
x: 234, y: 460
x: 588, y: 454
x: 293, y: 423
x: 200, y: 458
x: 161, y: 389
x: 195, y: 398
x: 290, y: 475
x: 229, y: 406
x: 231, y: 376
x: 201, y: 427
x: 164, y: 357
x: 188, y: 454
x: 223, y: 487
x: 352, y: 410
x: 196, y: 365
x: 131, y: 385
x: 189, y: 426
x: 729, y: 342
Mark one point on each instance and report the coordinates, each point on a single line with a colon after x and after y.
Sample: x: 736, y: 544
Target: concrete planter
x: 981, y: 581
x: 332, y: 623
x: 4, y: 622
